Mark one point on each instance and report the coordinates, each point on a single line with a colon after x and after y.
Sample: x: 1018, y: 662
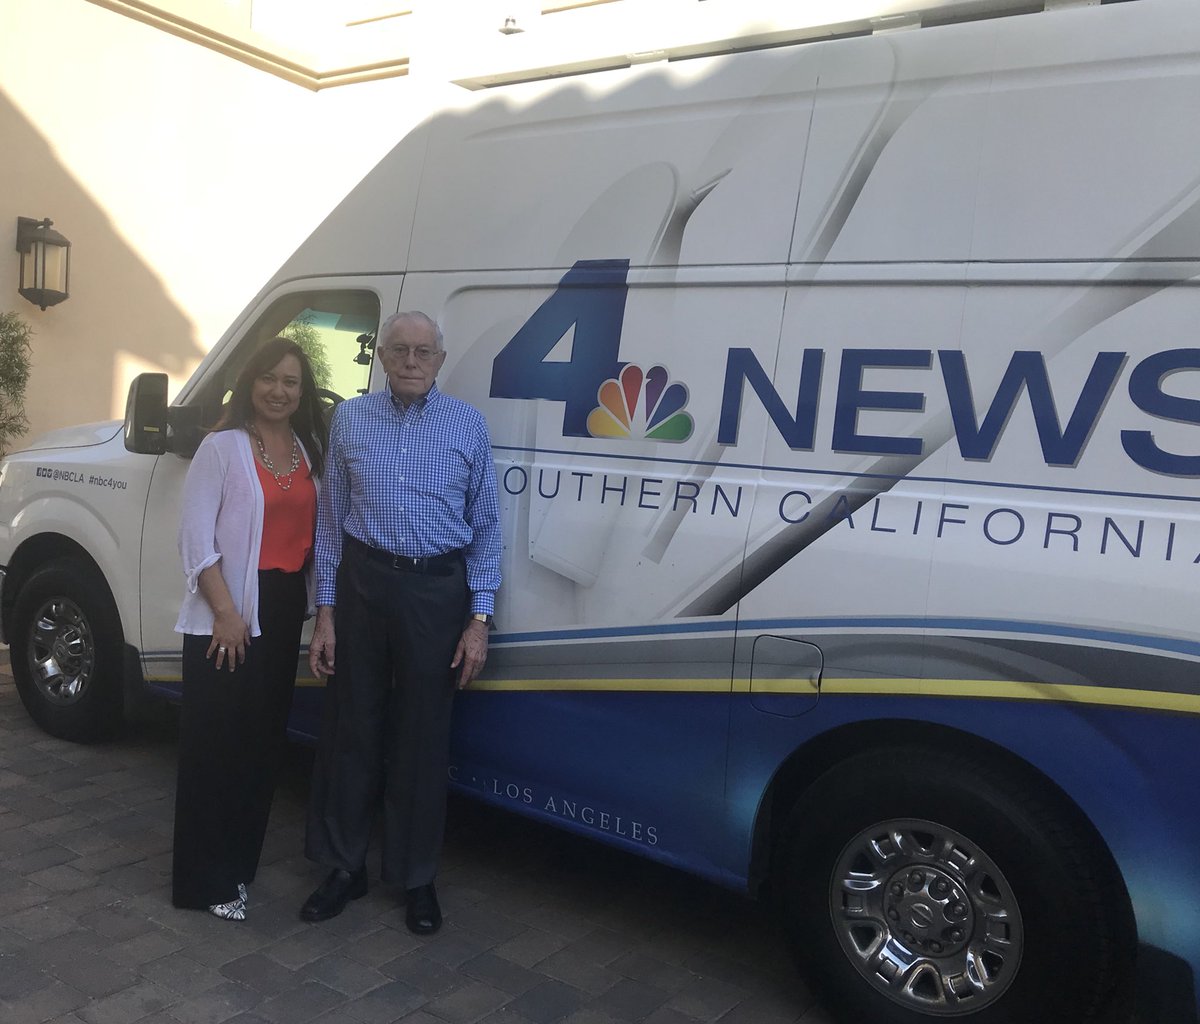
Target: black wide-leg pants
x: 386, y: 729
x: 231, y: 732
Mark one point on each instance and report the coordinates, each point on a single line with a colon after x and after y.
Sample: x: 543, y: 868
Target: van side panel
x: 938, y: 433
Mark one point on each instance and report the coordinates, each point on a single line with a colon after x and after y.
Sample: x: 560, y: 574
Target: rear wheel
x: 920, y: 885
x: 66, y: 651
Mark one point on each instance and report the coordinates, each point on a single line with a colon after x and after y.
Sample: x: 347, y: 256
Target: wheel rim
x: 926, y: 917
x: 62, y: 651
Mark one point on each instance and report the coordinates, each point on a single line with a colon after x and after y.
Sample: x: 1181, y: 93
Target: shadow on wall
x: 119, y: 320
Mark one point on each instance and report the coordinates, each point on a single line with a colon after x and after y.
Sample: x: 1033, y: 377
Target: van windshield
x: 336, y: 328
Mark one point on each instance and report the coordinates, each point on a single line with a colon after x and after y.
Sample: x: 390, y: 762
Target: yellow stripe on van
x: 1157, y: 700
x: 631, y: 685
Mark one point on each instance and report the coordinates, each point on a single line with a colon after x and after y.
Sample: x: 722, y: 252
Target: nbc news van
x: 845, y: 401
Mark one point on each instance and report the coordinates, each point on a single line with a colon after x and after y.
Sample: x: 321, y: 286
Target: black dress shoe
x: 331, y: 897
x: 424, y: 916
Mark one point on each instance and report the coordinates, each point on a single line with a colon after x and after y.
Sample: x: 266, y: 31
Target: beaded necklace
x: 283, y: 480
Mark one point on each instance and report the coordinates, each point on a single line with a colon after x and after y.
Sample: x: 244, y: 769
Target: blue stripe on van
x: 1173, y: 645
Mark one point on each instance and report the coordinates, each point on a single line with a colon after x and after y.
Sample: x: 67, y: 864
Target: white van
x: 846, y: 409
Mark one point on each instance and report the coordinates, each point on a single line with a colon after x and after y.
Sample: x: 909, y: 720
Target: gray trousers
x: 386, y: 728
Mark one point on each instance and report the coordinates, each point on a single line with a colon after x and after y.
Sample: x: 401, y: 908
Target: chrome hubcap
x: 62, y: 652
x: 926, y: 917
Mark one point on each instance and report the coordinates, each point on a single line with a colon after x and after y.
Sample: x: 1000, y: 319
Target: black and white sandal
x: 235, y: 911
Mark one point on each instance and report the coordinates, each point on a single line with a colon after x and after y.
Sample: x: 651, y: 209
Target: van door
x: 334, y: 320
x: 592, y: 255
x: 605, y: 700
x: 852, y: 497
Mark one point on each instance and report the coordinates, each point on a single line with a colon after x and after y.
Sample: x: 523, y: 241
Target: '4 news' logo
x: 602, y: 396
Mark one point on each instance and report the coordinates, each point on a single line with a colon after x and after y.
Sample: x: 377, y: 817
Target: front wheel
x: 921, y: 886
x: 66, y: 651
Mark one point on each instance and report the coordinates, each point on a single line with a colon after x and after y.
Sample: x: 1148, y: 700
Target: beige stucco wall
x: 182, y: 178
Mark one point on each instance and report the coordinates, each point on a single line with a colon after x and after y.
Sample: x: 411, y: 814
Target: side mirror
x: 146, y: 414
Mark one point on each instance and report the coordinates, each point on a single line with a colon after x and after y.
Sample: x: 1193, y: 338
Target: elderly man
x: 407, y: 565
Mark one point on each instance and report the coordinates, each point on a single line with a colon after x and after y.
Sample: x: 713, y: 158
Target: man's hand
x: 320, y: 647
x: 471, y: 652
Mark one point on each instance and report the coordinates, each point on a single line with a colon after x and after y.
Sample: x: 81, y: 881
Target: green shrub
x: 14, y: 376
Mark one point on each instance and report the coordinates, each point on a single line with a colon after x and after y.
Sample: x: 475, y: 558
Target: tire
x: 920, y: 885
x: 66, y: 649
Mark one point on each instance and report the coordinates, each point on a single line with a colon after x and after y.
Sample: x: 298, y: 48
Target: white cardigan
x: 222, y: 522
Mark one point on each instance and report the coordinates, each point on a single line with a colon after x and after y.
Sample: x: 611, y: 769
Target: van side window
x: 336, y: 328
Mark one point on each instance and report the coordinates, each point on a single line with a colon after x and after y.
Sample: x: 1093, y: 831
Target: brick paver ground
x: 540, y: 926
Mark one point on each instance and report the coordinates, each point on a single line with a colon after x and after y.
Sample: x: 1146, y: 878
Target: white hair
x: 415, y: 317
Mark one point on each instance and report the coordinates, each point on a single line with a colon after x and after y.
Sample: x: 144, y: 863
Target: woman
x: 249, y: 512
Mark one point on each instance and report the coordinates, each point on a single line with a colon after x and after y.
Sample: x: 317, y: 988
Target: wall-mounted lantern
x: 45, y: 262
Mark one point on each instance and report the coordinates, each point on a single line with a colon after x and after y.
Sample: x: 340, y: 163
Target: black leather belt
x: 433, y: 565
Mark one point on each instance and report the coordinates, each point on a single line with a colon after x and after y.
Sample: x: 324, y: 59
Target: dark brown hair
x: 308, y: 421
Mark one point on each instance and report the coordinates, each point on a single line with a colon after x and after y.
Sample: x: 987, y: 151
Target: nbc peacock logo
x: 641, y: 404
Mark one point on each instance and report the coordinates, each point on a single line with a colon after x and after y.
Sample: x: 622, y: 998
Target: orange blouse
x: 289, y: 519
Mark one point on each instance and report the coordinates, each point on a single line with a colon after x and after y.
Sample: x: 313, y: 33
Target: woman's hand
x: 231, y: 636
x: 230, y: 639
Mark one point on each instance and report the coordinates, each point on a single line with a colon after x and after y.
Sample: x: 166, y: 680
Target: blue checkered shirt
x: 418, y: 481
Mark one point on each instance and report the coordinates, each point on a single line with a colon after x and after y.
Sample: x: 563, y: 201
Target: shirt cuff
x: 483, y: 602
x: 193, y: 575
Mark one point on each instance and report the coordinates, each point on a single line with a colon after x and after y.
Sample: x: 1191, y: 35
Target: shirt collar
x: 430, y: 397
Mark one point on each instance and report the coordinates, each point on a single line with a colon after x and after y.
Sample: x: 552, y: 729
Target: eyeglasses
x: 422, y: 353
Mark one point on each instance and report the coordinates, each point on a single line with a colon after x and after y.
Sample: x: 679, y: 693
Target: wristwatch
x: 482, y: 617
